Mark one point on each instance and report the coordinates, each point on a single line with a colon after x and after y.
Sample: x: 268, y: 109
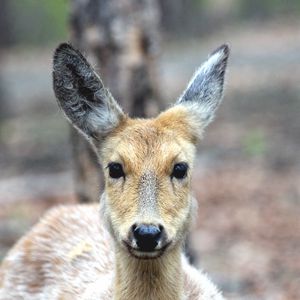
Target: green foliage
x: 38, y: 21
x: 266, y: 8
x: 254, y: 143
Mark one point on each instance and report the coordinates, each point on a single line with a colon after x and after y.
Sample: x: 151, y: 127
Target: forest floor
x: 247, y: 174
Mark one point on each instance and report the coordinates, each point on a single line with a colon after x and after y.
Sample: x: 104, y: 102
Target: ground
x: 247, y: 175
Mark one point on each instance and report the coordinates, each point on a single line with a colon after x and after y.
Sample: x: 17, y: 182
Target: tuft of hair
x: 80, y: 93
x: 204, y: 92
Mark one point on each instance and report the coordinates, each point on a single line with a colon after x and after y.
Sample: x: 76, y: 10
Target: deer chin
x: 136, y: 253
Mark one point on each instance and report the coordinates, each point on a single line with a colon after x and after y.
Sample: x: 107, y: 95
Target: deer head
x: 147, y: 163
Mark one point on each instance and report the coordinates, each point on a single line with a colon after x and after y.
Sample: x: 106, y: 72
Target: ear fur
x: 204, y: 92
x: 88, y: 105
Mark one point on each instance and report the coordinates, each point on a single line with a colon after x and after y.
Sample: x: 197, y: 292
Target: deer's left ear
x: 205, y: 90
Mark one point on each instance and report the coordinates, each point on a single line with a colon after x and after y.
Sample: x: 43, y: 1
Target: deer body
x: 130, y: 247
x: 69, y: 255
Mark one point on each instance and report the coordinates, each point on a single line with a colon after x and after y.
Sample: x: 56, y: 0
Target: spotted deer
x: 131, y: 246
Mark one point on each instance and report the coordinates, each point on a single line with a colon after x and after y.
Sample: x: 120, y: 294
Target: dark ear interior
x: 75, y: 85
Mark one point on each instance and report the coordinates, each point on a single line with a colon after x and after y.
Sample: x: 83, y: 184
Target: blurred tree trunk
x: 121, y: 38
x: 6, y: 39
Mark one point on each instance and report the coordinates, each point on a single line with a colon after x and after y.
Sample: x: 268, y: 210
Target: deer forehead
x: 150, y: 145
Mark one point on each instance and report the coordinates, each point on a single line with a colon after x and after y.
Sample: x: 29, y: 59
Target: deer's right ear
x: 80, y: 93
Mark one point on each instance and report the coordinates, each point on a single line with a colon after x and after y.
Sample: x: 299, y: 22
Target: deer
x: 130, y: 245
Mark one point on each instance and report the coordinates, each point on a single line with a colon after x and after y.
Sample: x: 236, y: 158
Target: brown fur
x: 70, y: 254
x: 74, y: 256
x: 149, y: 145
x: 35, y: 270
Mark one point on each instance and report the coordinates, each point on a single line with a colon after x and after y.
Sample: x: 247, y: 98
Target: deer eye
x: 115, y: 170
x: 179, y: 170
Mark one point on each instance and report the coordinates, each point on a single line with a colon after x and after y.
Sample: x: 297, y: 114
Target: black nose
x: 147, y: 236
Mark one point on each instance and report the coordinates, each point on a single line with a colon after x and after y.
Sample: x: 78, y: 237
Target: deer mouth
x: 137, y: 253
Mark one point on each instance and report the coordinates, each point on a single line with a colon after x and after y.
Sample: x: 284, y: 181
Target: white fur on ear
x: 205, y: 90
x: 103, y: 118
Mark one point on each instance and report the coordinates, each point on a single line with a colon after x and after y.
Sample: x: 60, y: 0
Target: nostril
x: 147, y: 236
x: 147, y: 231
x: 133, y: 227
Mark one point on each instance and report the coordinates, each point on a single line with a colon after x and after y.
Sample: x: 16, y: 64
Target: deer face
x: 147, y: 168
x: 147, y: 163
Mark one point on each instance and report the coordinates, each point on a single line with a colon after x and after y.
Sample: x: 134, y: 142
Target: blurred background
x: 247, y: 175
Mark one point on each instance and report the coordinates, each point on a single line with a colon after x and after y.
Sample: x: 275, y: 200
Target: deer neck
x: 151, y: 279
